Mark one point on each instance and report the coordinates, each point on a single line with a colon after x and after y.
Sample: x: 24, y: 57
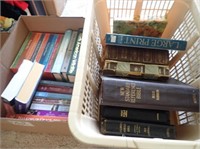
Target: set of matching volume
x: 137, y: 94
x: 58, y: 52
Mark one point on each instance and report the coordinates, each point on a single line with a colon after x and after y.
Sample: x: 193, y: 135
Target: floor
x: 20, y: 140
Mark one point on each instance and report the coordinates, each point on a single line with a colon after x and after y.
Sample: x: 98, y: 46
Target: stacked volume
x: 45, y: 69
x: 137, y: 95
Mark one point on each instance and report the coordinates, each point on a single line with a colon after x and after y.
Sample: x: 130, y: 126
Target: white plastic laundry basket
x: 183, y: 23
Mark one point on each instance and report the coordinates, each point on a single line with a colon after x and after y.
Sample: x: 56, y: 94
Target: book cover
x: 151, y: 27
x: 68, y: 54
x: 56, y: 69
x: 40, y: 117
x: 134, y: 114
x: 21, y: 54
x: 135, y: 70
x: 47, y: 113
x: 42, y: 47
x: 55, y: 87
x: 169, y: 95
x: 130, y: 54
x: 71, y: 72
x: 24, y: 96
x: 145, y: 42
x: 137, y: 129
x: 47, y: 70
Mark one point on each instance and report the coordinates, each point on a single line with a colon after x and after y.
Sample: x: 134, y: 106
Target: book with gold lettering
x: 134, y: 114
x: 145, y: 42
x: 170, y: 95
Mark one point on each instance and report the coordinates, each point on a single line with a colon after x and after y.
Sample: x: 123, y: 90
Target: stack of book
x: 137, y: 94
x: 58, y: 52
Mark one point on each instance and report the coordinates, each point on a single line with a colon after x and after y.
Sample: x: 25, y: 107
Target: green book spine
x: 137, y: 129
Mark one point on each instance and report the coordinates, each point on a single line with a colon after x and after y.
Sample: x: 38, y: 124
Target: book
x: 68, y: 56
x: 49, y: 107
x: 130, y: 54
x: 71, y: 72
x: 47, y: 113
x: 135, y: 70
x: 51, y: 101
x: 151, y: 27
x: 55, y: 87
x: 40, y: 117
x: 24, y: 96
x: 21, y: 54
x: 56, y: 69
x: 39, y: 94
x: 172, y: 95
x: 145, y: 42
x: 47, y: 70
x: 134, y: 114
x: 11, y: 90
x: 137, y: 129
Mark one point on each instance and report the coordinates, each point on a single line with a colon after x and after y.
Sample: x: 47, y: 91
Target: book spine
x: 47, y: 113
x: 51, y: 101
x: 134, y: 114
x: 37, y: 47
x: 40, y: 117
x: 135, y: 70
x: 49, y: 107
x: 33, y: 45
x: 47, y: 71
x: 145, y: 42
x: 137, y: 129
x: 68, y: 54
x: 56, y: 83
x: 42, y: 47
x: 49, y: 95
x: 128, y: 54
x: 71, y: 72
x: 56, y: 70
x: 20, y: 55
x: 55, y: 89
x: 149, y: 94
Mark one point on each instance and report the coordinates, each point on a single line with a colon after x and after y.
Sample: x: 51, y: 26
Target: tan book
x: 23, y: 98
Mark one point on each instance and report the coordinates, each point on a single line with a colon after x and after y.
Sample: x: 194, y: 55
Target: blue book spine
x: 49, y: 95
x: 145, y: 42
x: 48, y: 49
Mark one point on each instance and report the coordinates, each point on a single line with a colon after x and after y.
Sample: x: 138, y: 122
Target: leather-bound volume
x: 133, y: 54
x: 169, y: 95
x: 134, y: 114
x: 137, y: 129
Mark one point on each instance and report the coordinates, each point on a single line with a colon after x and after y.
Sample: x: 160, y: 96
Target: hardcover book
x: 71, y: 72
x: 169, y: 95
x: 135, y: 70
x: 137, y: 129
x: 145, y: 42
x: 47, y: 113
x: 49, y: 107
x: 134, y: 114
x: 40, y: 117
x: 51, y: 101
x: 152, y: 28
x: 130, y: 54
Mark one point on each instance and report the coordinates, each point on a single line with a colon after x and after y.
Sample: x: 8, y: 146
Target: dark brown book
x: 134, y: 114
x: 169, y: 95
x: 137, y: 129
x: 130, y: 54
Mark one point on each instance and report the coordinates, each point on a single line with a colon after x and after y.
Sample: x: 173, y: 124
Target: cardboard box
x: 8, y: 52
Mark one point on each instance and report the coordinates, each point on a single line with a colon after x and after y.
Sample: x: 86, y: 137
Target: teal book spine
x: 145, y: 42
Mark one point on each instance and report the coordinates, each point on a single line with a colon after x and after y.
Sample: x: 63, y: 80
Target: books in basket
x: 171, y: 95
x: 145, y: 42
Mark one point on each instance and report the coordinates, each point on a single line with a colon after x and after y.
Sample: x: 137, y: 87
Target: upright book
x: 169, y: 95
x: 145, y: 42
